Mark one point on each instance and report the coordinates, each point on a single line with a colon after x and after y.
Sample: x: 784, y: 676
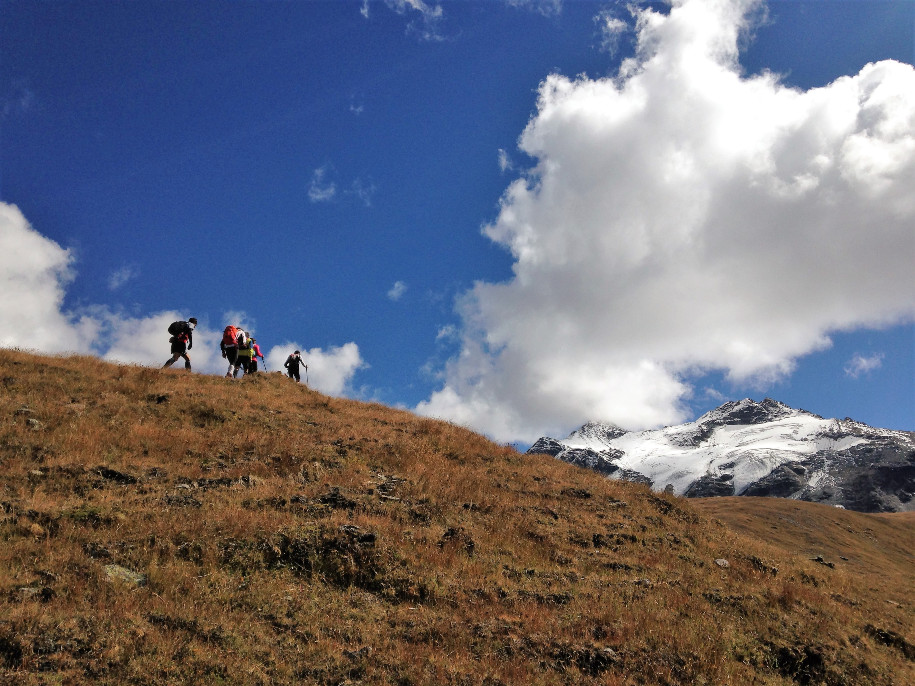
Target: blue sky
x: 516, y: 215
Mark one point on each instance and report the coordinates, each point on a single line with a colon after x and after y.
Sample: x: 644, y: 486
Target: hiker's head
x: 296, y: 352
x: 193, y: 320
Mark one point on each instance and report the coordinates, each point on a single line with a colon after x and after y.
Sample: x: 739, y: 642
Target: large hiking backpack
x: 177, y: 328
x: 230, y: 336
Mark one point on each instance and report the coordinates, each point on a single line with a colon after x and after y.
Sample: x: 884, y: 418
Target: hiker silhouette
x: 182, y: 340
x: 292, y: 365
x: 233, y: 340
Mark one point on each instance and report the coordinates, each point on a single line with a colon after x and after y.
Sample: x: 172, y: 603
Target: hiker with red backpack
x: 233, y: 339
x: 182, y: 340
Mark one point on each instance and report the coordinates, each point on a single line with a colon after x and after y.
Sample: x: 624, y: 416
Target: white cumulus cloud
x: 684, y: 217
x: 34, y: 274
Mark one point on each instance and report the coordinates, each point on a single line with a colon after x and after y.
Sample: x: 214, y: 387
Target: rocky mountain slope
x: 755, y: 449
x: 160, y: 527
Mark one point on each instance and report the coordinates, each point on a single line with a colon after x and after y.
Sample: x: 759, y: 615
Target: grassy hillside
x: 159, y: 527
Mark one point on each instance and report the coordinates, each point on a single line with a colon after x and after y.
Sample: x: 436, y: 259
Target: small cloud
x: 357, y: 103
x: 448, y: 332
x: 859, y: 365
x: 548, y: 8
x: 364, y: 11
x: 428, y: 25
x: 611, y: 29
x: 425, y: 9
x: 363, y: 190
x: 121, y: 276
x: 397, y: 291
x: 714, y: 394
x: 505, y: 163
x: 321, y: 189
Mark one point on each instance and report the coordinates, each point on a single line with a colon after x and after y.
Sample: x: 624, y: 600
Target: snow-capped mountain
x: 755, y: 448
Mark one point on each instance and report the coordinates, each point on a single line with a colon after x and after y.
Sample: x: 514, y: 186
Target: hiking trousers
x: 231, y: 352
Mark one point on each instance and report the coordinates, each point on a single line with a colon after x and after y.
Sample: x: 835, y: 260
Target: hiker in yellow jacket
x: 245, y: 351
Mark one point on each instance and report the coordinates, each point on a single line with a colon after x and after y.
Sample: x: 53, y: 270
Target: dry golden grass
x: 280, y: 536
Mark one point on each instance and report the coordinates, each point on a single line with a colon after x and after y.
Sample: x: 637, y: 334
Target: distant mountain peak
x: 764, y: 448
x: 748, y: 411
x: 600, y: 430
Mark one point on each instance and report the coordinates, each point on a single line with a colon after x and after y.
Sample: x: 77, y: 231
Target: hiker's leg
x: 232, y: 357
x: 187, y: 361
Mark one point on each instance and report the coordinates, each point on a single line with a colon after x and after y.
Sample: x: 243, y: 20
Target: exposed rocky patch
x: 711, y: 485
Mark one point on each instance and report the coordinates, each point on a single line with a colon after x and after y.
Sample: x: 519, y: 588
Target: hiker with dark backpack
x: 292, y: 365
x: 182, y: 340
x: 232, y: 338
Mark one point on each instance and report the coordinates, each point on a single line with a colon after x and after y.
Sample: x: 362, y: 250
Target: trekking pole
x: 306, y: 374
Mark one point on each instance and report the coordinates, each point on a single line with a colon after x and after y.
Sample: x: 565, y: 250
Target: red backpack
x: 230, y: 336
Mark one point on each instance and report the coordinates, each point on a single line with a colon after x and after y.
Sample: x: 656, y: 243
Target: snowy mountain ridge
x: 755, y: 448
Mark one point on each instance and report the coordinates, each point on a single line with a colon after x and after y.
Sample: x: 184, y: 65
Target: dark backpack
x: 179, y: 327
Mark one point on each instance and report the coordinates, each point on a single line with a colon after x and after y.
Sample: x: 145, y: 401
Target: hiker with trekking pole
x: 255, y: 353
x: 292, y: 365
